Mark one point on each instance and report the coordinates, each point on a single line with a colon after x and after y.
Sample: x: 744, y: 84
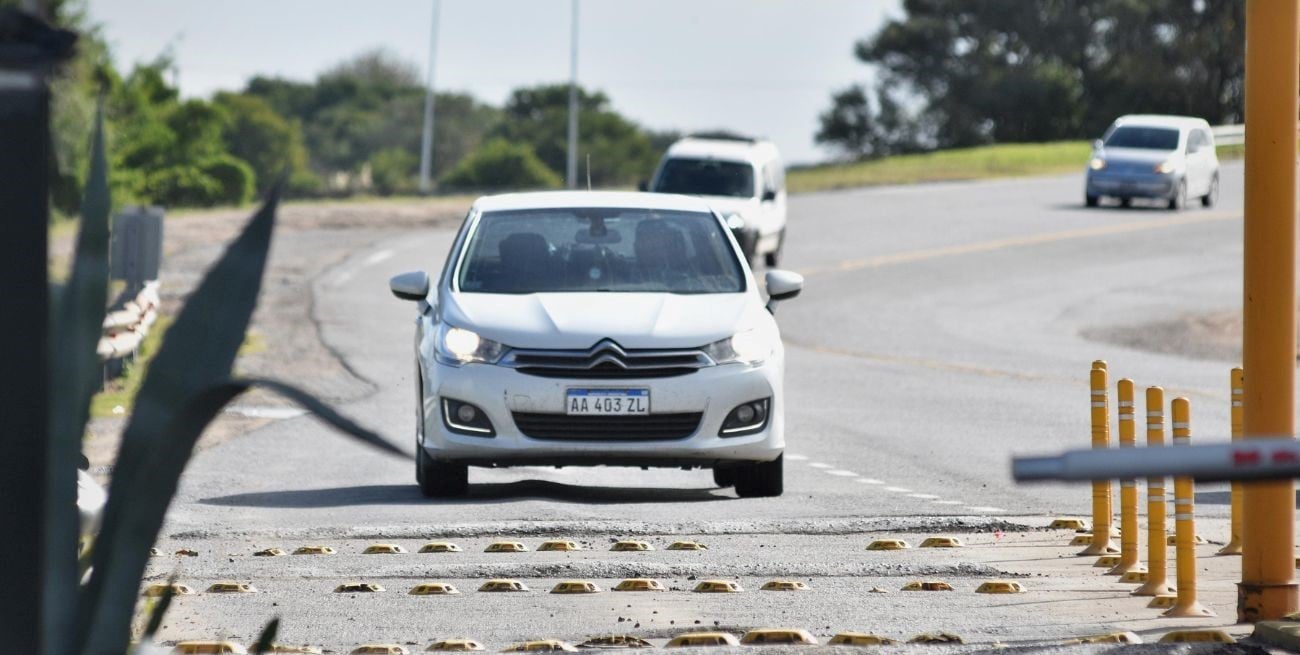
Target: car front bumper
x: 1130, y: 185
x: 500, y: 392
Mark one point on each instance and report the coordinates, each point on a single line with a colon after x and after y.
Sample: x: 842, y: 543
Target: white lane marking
x: 819, y: 465
x: 274, y: 413
x: 947, y: 502
x: 870, y: 481
x: 795, y: 458
x: 846, y: 474
x: 345, y: 276
x: 988, y: 510
x: 899, y: 490
x: 922, y: 496
x: 376, y: 258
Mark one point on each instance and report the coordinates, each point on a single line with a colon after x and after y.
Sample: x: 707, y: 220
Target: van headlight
x: 747, y: 347
x: 735, y: 221
x: 1166, y: 167
x: 458, y: 346
x: 1097, y: 164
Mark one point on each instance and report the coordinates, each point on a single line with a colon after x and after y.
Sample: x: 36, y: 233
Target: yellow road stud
x: 503, y: 585
x: 1157, y: 558
x: 1297, y: 562
x: 936, y: 638
x: 154, y: 552
x: 540, y: 646
x: 298, y: 650
x: 1129, y: 559
x: 888, y: 544
x: 630, y: 546
x: 927, y: 585
x: 687, y: 545
x: 380, y: 649
x: 640, y: 584
x: 232, y: 588
x: 783, y: 585
x: 1197, y: 636
x: 1068, y: 524
x: 783, y: 636
x: 691, y: 639
x: 1081, y: 540
x: 860, y: 639
x: 717, y: 587
x: 454, y: 646
x: 1107, y: 561
x: 187, y: 552
x: 383, y: 549
x: 1000, y: 587
x: 1135, y: 577
x: 558, y: 545
x: 941, y: 542
x: 1163, y: 602
x: 314, y: 550
x: 506, y: 547
x: 440, y: 547
x: 208, y: 648
x: 358, y: 588
x: 1184, y: 523
x: 1101, y: 500
x: 1108, y: 638
x: 616, y: 641
x: 269, y: 552
x: 159, y: 590
x: 575, y: 587
x: 1238, y: 387
x: 433, y: 589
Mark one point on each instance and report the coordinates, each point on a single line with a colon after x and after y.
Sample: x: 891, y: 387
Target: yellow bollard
x: 1128, y: 493
x: 1184, y: 523
x: 1101, y: 509
x: 1157, y: 560
x: 1238, y: 395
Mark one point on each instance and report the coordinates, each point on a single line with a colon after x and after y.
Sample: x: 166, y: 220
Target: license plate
x: 608, y: 402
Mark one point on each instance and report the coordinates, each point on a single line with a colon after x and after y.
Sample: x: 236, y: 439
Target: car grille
x: 607, y: 360
x: 651, y: 427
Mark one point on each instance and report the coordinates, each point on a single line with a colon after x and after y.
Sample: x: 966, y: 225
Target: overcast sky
x: 764, y: 67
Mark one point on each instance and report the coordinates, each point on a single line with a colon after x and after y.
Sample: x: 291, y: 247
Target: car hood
x: 1136, y: 155
x: 580, y: 320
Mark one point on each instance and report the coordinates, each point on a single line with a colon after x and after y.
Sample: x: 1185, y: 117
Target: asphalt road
x: 938, y: 334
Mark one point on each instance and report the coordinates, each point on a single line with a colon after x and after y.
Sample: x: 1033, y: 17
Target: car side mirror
x: 782, y: 285
x: 643, y: 185
x: 1096, y: 145
x: 769, y: 195
x: 410, y: 286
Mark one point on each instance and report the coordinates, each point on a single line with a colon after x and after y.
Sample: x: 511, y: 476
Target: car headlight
x: 748, y: 347
x: 1166, y: 167
x: 735, y: 221
x: 457, y: 346
x: 1097, y: 164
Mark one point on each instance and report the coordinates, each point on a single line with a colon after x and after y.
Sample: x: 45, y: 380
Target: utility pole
x: 426, y: 139
x: 1268, y: 589
x: 571, y: 169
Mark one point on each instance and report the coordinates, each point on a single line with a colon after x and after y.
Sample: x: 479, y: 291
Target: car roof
x: 570, y: 199
x: 728, y: 149
x: 1161, y: 120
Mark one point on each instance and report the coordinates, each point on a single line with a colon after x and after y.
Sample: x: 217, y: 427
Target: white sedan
x: 587, y: 329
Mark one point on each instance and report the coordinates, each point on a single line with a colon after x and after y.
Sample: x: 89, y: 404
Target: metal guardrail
x: 1229, y: 135
x: 125, y: 329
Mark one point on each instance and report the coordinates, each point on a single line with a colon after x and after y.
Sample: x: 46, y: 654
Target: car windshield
x: 706, y: 177
x: 1146, y: 138
x: 599, y: 250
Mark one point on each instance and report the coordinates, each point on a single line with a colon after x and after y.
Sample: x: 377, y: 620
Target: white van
x: 742, y: 179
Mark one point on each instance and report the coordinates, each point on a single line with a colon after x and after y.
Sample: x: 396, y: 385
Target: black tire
x: 773, y: 259
x: 1091, y: 201
x: 1125, y: 202
x: 440, y: 479
x: 1179, y: 199
x: 1209, y: 199
x: 761, y: 479
x: 724, y: 476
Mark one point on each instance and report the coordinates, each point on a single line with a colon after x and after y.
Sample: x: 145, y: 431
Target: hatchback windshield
x: 706, y: 177
x: 610, y: 250
x: 1146, y: 138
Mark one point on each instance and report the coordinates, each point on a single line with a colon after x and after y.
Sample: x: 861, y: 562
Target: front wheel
x: 1209, y: 199
x: 773, y: 259
x: 440, y: 479
x: 1180, y: 197
x: 724, y: 477
x: 1091, y: 200
x: 761, y: 479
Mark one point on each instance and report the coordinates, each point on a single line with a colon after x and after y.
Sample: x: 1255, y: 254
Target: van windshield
x: 599, y: 250
x: 1146, y: 138
x: 706, y: 177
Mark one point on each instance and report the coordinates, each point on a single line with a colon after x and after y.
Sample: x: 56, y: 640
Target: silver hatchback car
x: 1167, y: 158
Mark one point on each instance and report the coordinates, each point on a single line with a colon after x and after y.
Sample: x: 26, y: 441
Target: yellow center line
x: 924, y: 254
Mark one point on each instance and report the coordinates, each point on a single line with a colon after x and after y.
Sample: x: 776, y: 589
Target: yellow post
x: 1101, y: 509
x: 1184, y: 523
x: 1233, y: 546
x: 1157, y: 577
x: 1268, y: 588
x: 1128, y: 493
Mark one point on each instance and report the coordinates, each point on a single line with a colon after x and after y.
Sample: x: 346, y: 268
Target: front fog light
x: 746, y: 418
x: 464, y: 418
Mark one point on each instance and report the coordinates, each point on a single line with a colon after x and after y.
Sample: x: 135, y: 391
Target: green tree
x: 393, y: 170
x: 272, y: 145
x: 500, y: 164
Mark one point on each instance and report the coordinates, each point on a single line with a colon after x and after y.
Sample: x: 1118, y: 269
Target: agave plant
x: 188, y: 383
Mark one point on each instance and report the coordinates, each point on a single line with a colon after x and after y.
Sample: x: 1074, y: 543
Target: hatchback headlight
x: 1097, y: 164
x: 1166, y: 167
x: 458, y: 346
x: 748, y: 347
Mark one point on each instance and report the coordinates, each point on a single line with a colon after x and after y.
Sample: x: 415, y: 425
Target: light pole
x: 426, y: 139
x: 571, y: 167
